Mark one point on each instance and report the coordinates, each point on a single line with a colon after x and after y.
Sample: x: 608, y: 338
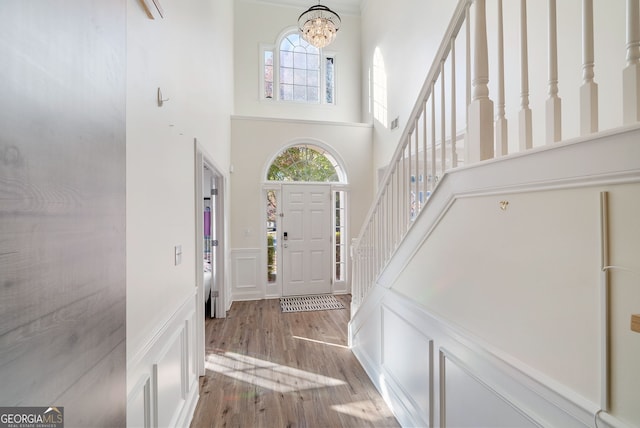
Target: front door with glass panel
x: 306, y: 239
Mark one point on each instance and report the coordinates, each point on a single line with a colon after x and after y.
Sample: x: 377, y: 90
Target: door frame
x: 202, y: 160
x: 275, y: 290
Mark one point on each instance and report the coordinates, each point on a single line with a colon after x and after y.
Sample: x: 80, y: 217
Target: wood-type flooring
x: 270, y: 369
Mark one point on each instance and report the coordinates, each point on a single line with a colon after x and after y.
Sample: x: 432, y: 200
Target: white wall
x: 255, y: 142
x: 408, y: 34
x: 257, y: 23
x: 514, y: 297
x: 188, y: 54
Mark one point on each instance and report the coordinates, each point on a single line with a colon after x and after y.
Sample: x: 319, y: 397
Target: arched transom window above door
x: 306, y: 163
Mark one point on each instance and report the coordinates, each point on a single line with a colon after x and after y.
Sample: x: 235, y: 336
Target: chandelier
x: 319, y: 25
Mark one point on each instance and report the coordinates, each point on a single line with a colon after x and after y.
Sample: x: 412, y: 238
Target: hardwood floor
x: 271, y: 369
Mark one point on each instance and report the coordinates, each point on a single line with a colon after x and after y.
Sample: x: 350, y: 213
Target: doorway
x: 305, y: 196
x: 306, y: 239
x: 211, y: 290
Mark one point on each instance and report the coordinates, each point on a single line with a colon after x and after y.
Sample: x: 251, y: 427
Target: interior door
x: 306, y: 239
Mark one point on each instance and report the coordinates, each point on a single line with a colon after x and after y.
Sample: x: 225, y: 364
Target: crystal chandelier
x: 319, y: 25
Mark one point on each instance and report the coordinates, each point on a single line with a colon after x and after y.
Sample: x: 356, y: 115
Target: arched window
x: 379, y: 88
x: 294, y: 70
x: 299, y: 70
x: 305, y: 163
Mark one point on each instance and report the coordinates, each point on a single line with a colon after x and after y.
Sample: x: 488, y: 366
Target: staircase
x: 492, y: 286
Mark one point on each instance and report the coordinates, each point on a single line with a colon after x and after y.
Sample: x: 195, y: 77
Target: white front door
x: 306, y: 239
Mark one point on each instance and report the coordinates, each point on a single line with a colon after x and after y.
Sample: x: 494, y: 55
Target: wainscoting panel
x: 138, y: 407
x: 247, y: 283
x: 407, y: 362
x: 168, y: 380
x: 482, y: 405
x: 432, y: 373
x: 163, y: 374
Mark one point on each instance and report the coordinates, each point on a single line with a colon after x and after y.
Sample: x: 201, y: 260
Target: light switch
x: 178, y: 254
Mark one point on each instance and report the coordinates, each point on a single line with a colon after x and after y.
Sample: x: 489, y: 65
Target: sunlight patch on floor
x: 266, y: 374
x: 320, y: 342
x: 366, y: 410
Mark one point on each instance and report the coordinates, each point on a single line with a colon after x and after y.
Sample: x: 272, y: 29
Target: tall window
x: 294, y: 70
x: 379, y: 88
x: 299, y: 70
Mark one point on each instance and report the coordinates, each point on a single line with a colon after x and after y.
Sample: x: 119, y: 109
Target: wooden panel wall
x: 62, y: 208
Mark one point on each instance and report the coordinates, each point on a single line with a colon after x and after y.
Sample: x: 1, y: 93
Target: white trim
x: 142, y: 373
x: 256, y: 289
x: 534, y: 395
x: 301, y: 121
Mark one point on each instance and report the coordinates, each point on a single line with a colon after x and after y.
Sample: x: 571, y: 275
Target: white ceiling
x: 347, y: 7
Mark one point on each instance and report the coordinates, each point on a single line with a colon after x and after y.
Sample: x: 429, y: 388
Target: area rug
x: 310, y: 303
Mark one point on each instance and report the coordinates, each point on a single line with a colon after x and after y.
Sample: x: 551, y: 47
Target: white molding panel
x: 408, y: 373
x: 462, y: 389
x: 432, y: 373
x: 246, y: 280
x: 166, y: 391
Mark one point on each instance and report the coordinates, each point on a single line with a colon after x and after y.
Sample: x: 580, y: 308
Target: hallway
x: 271, y: 369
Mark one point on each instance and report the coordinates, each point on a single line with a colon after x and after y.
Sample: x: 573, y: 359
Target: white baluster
x: 631, y: 73
x: 425, y: 179
x: 502, y: 140
x: 443, y: 122
x: 554, y: 103
x: 434, y: 174
x: 405, y: 188
x: 526, y: 130
x: 467, y: 20
x: 454, y: 154
x: 481, y: 108
x: 589, y: 88
x: 417, y: 151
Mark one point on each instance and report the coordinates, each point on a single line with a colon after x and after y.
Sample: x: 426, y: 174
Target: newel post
x: 481, y: 107
x: 631, y: 73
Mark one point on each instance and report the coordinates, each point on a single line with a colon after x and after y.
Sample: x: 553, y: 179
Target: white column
x: 502, y: 140
x: 631, y: 73
x: 554, y: 103
x: 589, y: 88
x: 481, y: 107
x: 525, y: 129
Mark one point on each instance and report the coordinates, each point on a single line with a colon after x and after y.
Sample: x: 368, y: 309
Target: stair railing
x: 448, y: 128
